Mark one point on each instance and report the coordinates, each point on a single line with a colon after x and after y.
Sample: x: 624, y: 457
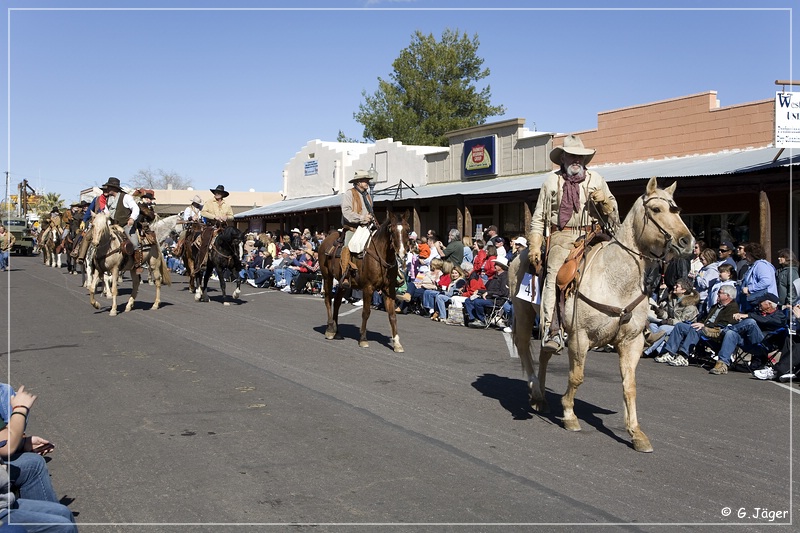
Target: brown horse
x: 609, y: 304
x: 378, y: 270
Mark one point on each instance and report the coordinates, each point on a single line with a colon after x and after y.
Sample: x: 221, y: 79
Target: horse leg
x: 629, y: 355
x: 223, y: 286
x: 58, y: 260
x: 523, y: 327
x: 203, y: 288
x: 92, y: 286
x: 155, y: 275
x: 366, y: 309
x: 238, y: 290
x: 114, y: 277
x: 577, y: 358
x: 135, y: 291
x: 389, y: 305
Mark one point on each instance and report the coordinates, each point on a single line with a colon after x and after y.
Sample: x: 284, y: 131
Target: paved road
x: 244, y: 414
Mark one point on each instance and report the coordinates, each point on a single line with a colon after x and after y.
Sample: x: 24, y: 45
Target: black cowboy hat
x: 220, y: 190
x: 112, y: 183
x: 149, y: 195
x: 55, y: 210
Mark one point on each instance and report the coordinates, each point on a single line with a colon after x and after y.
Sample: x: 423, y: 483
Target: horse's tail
x: 162, y: 268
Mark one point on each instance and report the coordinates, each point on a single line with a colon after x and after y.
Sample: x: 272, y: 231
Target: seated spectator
x: 429, y: 296
x: 23, y: 456
x: 254, y: 261
x: 454, y: 251
x: 425, y: 281
x: 680, y: 306
x: 759, y: 278
x: 727, y: 276
x: 519, y: 244
x: 458, y: 280
x: 266, y: 276
x: 38, y: 515
x: 785, y: 276
x: 684, y: 337
x: 488, y: 271
x: 748, y: 332
x: 497, y: 287
x: 466, y: 240
x: 707, y: 276
x: 479, y: 256
x: 284, y: 274
x: 307, y: 274
x: 787, y: 368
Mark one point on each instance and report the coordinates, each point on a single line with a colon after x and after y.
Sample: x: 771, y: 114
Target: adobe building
x: 731, y: 186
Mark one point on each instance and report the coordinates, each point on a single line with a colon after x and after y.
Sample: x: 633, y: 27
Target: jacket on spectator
x: 784, y: 278
x: 474, y: 284
x: 680, y: 309
x: 497, y: 287
x: 719, y: 317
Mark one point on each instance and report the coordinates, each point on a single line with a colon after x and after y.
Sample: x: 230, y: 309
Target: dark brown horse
x: 378, y: 270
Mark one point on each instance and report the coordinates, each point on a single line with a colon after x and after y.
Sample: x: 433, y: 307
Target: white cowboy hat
x: 295, y: 230
x: 360, y: 176
x: 501, y: 261
x: 572, y: 145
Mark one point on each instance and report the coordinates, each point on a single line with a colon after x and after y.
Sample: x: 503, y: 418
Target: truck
x: 18, y: 226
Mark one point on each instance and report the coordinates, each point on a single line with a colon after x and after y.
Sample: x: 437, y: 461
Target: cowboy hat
x: 295, y: 230
x: 112, y: 183
x: 501, y: 261
x: 55, y: 209
x: 361, y: 175
x: 149, y: 195
x: 197, y: 200
x: 220, y: 190
x: 572, y: 145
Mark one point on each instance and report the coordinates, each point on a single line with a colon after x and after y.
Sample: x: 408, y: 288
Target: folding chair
x: 496, y: 313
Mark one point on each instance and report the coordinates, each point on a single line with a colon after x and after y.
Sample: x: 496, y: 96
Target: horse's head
x: 99, y: 227
x: 658, y: 228
x: 398, y: 229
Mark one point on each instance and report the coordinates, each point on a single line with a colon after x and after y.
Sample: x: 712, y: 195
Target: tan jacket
x: 546, y: 213
x: 214, y: 210
x: 354, y: 212
x: 7, y: 241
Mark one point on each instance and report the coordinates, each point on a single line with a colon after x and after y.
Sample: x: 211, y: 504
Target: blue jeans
x: 656, y: 347
x: 429, y: 298
x: 49, y: 517
x: 745, y: 333
x: 682, y: 340
x: 476, y: 308
x: 441, y: 302
x: 262, y: 276
x: 28, y: 471
x: 3, y: 260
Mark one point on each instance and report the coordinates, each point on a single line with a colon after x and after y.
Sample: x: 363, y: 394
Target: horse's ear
x: 406, y: 215
x: 671, y: 188
x: 652, y: 186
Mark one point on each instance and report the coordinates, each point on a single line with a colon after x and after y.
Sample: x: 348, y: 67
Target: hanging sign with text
x: 787, y: 120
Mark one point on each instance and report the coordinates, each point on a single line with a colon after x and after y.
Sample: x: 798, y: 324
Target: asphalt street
x: 201, y: 416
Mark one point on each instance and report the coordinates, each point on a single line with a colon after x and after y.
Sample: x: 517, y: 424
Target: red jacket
x: 474, y: 284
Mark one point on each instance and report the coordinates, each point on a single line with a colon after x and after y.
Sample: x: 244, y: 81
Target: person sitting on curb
x: 684, y: 337
x: 787, y: 368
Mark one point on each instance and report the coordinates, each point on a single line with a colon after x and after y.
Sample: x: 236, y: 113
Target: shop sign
x: 787, y: 120
x: 311, y: 167
x: 480, y: 156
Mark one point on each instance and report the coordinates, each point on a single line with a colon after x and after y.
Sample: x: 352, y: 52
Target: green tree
x: 46, y: 203
x: 432, y: 91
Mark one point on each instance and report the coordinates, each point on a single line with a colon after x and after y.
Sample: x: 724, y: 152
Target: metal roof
x: 728, y: 162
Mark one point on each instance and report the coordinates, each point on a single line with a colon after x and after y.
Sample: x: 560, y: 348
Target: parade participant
x: 189, y: 216
x: 95, y: 206
x: 147, y: 213
x: 572, y: 201
x: 7, y: 241
x: 123, y: 211
x: 216, y: 212
x: 357, y: 214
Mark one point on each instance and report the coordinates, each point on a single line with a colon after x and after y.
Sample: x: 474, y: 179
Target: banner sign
x: 311, y: 167
x: 787, y: 120
x: 480, y: 156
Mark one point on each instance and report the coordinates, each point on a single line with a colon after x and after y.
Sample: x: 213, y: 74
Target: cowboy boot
x: 345, y: 259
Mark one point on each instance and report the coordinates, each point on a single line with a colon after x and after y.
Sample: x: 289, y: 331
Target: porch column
x: 765, y: 223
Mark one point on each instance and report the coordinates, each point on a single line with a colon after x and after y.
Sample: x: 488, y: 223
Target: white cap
x: 520, y: 240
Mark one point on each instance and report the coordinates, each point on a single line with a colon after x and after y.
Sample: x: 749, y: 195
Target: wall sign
x: 311, y: 167
x: 480, y: 156
x: 787, y: 120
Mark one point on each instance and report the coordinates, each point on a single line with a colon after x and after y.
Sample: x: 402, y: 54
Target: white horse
x: 609, y: 304
x: 108, y: 257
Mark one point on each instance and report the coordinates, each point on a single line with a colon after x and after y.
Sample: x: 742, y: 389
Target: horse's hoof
x: 329, y: 335
x: 197, y: 296
x: 399, y: 349
x: 541, y: 407
x: 113, y: 313
x: 572, y: 424
x: 96, y: 305
x: 236, y: 294
x: 363, y: 344
x: 154, y: 307
x: 227, y: 304
x: 642, y: 444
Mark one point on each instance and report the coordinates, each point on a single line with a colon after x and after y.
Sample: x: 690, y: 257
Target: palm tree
x: 47, y: 202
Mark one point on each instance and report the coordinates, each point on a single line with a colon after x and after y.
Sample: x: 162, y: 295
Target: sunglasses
x: 723, y: 250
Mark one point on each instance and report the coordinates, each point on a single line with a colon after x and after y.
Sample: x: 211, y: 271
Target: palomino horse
x: 224, y: 255
x: 384, y: 259
x: 608, y: 305
x: 108, y: 258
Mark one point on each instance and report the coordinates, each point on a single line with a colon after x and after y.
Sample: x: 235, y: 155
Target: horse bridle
x: 668, y: 238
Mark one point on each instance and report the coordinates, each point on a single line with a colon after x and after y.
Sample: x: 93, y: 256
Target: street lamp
x: 373, y: 177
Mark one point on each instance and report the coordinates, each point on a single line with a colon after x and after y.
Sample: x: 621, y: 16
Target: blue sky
x: 229, y: 96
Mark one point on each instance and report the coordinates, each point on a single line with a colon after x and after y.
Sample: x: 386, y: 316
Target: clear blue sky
x: 228, y: 97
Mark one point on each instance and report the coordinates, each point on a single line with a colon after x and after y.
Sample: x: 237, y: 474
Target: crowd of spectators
x: 731, y: 303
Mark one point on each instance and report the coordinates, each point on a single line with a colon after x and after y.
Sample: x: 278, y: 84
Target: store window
x: 714, y: 228
x: 512, y: 220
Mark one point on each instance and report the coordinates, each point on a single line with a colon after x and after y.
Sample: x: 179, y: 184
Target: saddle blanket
x: 358, y: 240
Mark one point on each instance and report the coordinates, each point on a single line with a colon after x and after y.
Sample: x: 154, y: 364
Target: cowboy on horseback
x: 216, y: 213
x: 123, y: 211
x: 357, y: 215
x: 573, y: 202
x: 97, y: 205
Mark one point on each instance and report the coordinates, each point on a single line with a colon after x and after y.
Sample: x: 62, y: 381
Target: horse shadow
x: 351, y: 332
x: 513, y: 397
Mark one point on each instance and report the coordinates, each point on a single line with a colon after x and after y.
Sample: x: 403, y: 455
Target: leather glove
x: 598, y: 196
x: 83, y: 225
x: 535, y: 248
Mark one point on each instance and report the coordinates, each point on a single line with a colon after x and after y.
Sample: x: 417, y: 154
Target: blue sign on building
x: 480, y: 156
x: 311, y: 167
